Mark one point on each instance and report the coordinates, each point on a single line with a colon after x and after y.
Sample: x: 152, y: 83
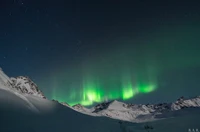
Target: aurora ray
x: 95, y: 90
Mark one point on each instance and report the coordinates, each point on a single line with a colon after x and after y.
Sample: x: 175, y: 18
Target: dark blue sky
x: 58, y: 43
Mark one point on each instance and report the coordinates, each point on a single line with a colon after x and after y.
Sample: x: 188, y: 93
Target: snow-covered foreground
x: 16, y: 115
x: 24, y: 108
x: 19, y: 115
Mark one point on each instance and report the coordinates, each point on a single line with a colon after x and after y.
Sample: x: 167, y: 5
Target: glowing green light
x: 93, y: 96
x: 127, y: 94
x: 146, y: 89
x: 86, y: 103
x: 127, y: 91
x: 92, y: 92
x: 113, y: 94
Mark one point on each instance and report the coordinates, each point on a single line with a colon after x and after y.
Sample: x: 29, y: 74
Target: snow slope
x: 141, y: 112
x: 84, y: 110
x: 21, y: 84
x: 16, y: 116
x: 4, y: 80
x: 24, y: 111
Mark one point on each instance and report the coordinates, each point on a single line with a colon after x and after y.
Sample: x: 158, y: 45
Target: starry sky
x: 90, y: 51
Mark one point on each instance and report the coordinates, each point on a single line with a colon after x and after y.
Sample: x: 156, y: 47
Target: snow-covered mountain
x: 22, y: 84
x: 27, y: 86
x: 5, y: 81
x: 23, y: 107
x: 182, y: 103
x: 138, y: 113
x: 113, y: 109
x: 82, y: 109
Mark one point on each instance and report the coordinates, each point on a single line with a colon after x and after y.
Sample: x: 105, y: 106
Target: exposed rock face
x: 22, y: 84
x: 101, y: 106
x: 27, y: 86
x: 182, y: 103
x: 137, y: 112
x: 78, y: 107
x: 113, y: 109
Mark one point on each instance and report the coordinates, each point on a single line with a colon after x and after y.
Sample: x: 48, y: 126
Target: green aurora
x: 93, y: 90
x: 92, y: 93
x: 80, y: 52
x: 127, y: 71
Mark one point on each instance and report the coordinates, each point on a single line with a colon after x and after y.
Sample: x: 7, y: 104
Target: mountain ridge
x: 24, y: 86
x: 132, y: 112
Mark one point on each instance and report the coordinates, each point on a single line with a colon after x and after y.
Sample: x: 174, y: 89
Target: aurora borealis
x: 94, y: 92
x: 88, y: 52
x: 133, y: 71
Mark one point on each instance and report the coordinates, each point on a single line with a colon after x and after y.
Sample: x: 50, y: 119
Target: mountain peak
x: 22, y: 84
x: 26, y: 86
x: 117, y: 105
x: 78, y: 106
x: 186, y: 103
x: 65, y: 104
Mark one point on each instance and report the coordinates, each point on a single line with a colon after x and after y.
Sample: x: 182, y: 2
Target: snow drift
x: 23, y: 107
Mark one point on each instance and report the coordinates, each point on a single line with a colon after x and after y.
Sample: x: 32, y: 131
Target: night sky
x: 91, y: 51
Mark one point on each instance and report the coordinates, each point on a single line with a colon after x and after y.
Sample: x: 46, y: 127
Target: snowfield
x: 29, y: 111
